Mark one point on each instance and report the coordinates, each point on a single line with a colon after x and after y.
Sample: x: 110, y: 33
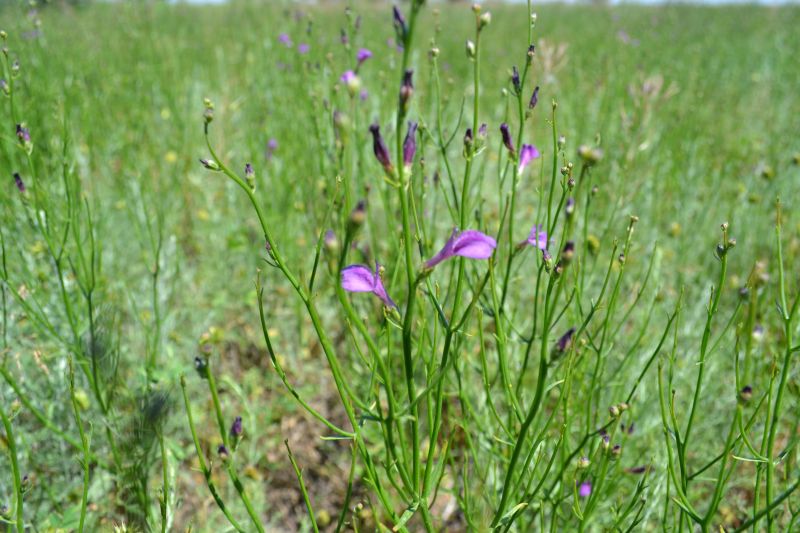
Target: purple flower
x: 538, y: 237
x: 359, y: 278
x: 19, y: 182
x: 362, y: 55
x: 410, y: 144
x: 303, y: 48
x: 507, y: 139
x: 348, y: 77
x: 470, y: 243
x: 534, y: 98
x: 379, y: 147
x: 483, y: 131
x: 584, y: 489
x: 23, y: 134
x: 236, y: 427
x: 363, y: 95
x: 285, y: 39
x: 527, y: 154
x: 272, y: 145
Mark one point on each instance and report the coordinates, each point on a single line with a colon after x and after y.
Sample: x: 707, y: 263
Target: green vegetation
x: 642, y: 374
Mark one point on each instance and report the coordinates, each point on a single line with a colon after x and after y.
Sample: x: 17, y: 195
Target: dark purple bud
x: 468, y: 138
x: 515, y: 80
x: 616, y: 451
x: 745, y: 394
x: 236, y: 428
x: 379, y: 147
x: 534, y: 98
x: 507, y: 140
x: 223, y: 453
x: 636, y: 470
x: 410, y: 144
x: 531, y: 53
x: 23, y: 134
x: 564, y: 342
x: 399, y: 25
x: 249, y: 174
x: 568, y: 252
x: 406, y: 88
x: 19, y: 182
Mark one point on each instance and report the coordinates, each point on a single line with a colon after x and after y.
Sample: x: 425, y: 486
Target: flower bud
x: 746, y: 394
x: 406, y: 89
x: 616, y: 451
x: 590, y: 156
x: 471, y: 50
x: 613, y: 411
x: 583, y: 463
x: 515, y: 81
x: 484, y: 20
x: 201, y: 365
x: 357, y: 216
x: 222, y: 452
x: 210, y: 164
x: 19, y: 183
x: 380, y: 149
x: 208, y: 112
x: 330, y: 242
x: 250, y: 176
x: 535, y: 100
x: 410, y: 145
x: 509, y: 144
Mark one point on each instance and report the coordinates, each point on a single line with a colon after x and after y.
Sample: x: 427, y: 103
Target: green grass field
x: 132, y: 335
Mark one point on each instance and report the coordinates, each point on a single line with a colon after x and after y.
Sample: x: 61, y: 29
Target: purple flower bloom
x: 410, y: 144
x: 584, y: 489
x: 538, y: 237
x: 379, y: 147
x: 348, y: 77
x: 19, y: 182
x: 471, y: 244
x: 285, y: 39
x: 303, y: 48
x: 507, y: 139
x: 534, y: 98
x: 359, y: 278
x: 362, y: 55
x: 527, y: 154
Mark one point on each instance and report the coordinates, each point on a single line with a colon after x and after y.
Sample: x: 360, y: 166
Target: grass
x: 142, y: 313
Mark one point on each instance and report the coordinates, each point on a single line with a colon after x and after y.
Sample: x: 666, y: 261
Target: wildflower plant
x: 496, y: 344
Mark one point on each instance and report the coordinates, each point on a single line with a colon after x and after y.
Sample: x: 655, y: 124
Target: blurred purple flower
x: 272, y: 145
x: 348, y: 77
x: 236, y: 427
x: 362, y: 55
x: 527, y: 154
x: 584, y: 489
x: 363, y: 95
x: 538, y: 237
x: 471, y: 244
x: 303, y: 48
x: 285, y: 39
x: 359, y: 278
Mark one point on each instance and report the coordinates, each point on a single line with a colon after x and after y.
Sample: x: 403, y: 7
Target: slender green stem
x: 11, y: 444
